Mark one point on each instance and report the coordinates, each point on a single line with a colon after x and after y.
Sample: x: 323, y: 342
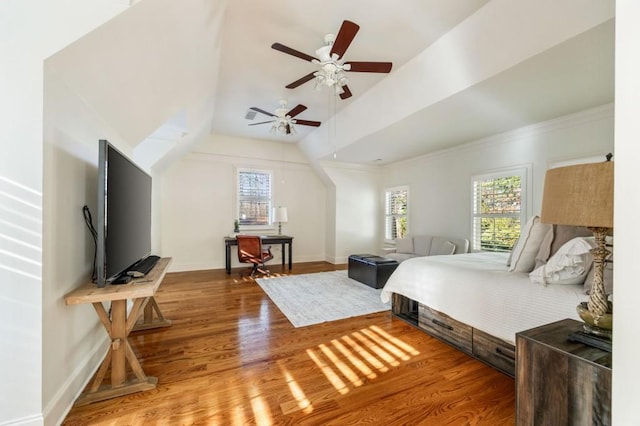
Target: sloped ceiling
x: 462, y: 70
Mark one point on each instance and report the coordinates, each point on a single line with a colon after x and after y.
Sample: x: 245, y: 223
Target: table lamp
x: 280, y: 215
x: 582, y: 195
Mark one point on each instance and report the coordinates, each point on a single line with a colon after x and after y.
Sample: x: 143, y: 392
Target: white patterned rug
x: 320, y: 297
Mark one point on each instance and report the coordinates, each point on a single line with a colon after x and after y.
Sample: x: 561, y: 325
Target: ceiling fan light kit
x: 331, y: 73
x: 283, y: 122
x: 331, y: 61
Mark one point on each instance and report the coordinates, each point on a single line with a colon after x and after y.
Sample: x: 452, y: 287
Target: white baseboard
x: 59, y: 406
x: 35, y: 420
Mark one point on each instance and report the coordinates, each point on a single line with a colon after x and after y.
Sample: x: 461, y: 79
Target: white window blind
x: 396, y: 207
x: 254, y: 197
x: 498, y: 209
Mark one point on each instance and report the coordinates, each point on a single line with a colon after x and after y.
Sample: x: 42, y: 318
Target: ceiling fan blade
x: 301, y: 81
x: 289, y: 51
x: 346, y: 94
x: 308, y: 123
x: 370, y: 66
x: 264, y: 122
x: 263, y: 111
x: 297, y: 110
x: 345, y: 36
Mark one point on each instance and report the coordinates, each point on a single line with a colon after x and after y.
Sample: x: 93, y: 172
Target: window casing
x: 396, y: 206
x: 499, y: 209
x: 254, y: 198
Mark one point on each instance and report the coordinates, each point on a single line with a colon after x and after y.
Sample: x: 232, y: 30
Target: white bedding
x: 478, y: 290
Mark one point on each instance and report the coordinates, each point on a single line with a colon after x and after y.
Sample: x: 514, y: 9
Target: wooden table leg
x: 120, y: 353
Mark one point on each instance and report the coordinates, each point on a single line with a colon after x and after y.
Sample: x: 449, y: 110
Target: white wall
x: 440, y: 184
x: 26, y: 39
x: 626, y: 331
x: 72, y: 340
x: 356, y: 198
x: 199, y: 201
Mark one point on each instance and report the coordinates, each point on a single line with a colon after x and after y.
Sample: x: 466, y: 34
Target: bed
x: 475, y: 303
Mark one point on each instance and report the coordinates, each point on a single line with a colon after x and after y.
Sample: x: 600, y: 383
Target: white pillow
x: 404, y: 245
x: 523, y: 256
x: 569, y: 265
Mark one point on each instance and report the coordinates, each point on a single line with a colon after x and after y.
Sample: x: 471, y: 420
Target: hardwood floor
x: 232, y: 358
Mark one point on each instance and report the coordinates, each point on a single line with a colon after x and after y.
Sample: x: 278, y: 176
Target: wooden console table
x: 267, y: 239
x: 118, y: 325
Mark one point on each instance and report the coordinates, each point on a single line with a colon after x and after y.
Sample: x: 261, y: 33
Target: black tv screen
x: 124, y: 214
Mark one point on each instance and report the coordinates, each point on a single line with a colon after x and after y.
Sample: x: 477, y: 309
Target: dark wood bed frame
x: 493, y: 351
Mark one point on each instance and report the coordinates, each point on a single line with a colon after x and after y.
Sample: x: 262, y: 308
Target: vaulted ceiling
x: 166, y: 74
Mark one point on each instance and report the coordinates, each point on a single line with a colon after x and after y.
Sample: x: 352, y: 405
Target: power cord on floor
x: 87, y: 219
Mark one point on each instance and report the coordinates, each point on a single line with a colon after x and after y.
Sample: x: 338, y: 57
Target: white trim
x: 601, y: 112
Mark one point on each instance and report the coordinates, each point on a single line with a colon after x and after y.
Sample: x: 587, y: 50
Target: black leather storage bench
x: 370, y: 269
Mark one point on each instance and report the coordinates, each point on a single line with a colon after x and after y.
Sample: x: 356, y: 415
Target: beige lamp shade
x: 280, y: 214
x: 580, y: 195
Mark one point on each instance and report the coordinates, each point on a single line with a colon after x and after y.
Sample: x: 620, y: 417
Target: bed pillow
x: 544, y: 253
x: 569, y: 265
x: 523, y: 256
x: 565, y: 233
x: 404, y: 245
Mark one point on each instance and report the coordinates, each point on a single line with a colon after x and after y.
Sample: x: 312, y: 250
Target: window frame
x: 269, y: 225
x: 524, y: 171
x: 387, y: 215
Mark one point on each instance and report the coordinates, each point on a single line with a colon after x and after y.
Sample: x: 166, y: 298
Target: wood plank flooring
x: 232, y: 358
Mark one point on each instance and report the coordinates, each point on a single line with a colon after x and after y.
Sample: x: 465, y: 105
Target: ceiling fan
x: 332, y: 63
x: 283, y: 120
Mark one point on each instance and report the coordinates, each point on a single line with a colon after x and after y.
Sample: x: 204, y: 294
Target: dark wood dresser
x: 559, y: 382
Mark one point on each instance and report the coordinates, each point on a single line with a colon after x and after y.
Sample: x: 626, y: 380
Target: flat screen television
x: 124, y: 214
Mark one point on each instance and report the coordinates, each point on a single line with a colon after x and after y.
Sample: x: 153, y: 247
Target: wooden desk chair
x: 250, y: 250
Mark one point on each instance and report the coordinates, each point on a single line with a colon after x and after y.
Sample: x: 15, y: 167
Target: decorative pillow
x: 564, y: 233
x: 544, y: 253
x: 569, y: 265
x: 404, y: 245
x: 511, y: 252
x: 446, y: 248
x: 523, y: 257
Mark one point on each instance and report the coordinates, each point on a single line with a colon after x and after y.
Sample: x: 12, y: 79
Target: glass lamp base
x: 597, y: 331
x: 597, y: 325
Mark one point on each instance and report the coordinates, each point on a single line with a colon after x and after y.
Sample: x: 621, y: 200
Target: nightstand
x: 559, y: 382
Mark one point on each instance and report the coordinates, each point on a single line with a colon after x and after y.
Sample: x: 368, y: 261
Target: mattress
x: 478, y: 290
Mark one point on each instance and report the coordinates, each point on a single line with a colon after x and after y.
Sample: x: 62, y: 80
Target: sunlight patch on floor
x: 357, y: 362
x: 303, y: 403
x: 342, y: 366
x: 348, y: 362
x: 261, y: 411
x: 329, y: 373
x: 384, y: 355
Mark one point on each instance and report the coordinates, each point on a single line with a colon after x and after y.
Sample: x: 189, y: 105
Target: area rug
x: 321, y: 297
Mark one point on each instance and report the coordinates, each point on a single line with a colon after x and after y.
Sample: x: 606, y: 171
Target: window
x: 254, y: 197
x: 395, y: 210
x: 498, y: 209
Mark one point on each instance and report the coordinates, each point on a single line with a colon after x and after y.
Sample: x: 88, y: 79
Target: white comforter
x: 478, y: 290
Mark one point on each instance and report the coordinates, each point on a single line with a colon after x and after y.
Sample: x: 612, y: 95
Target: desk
x: 118, y: 326
x: 267, y: 239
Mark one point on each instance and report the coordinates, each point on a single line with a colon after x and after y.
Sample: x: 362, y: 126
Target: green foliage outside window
x: 497, y: 212
x: 396, y: 205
